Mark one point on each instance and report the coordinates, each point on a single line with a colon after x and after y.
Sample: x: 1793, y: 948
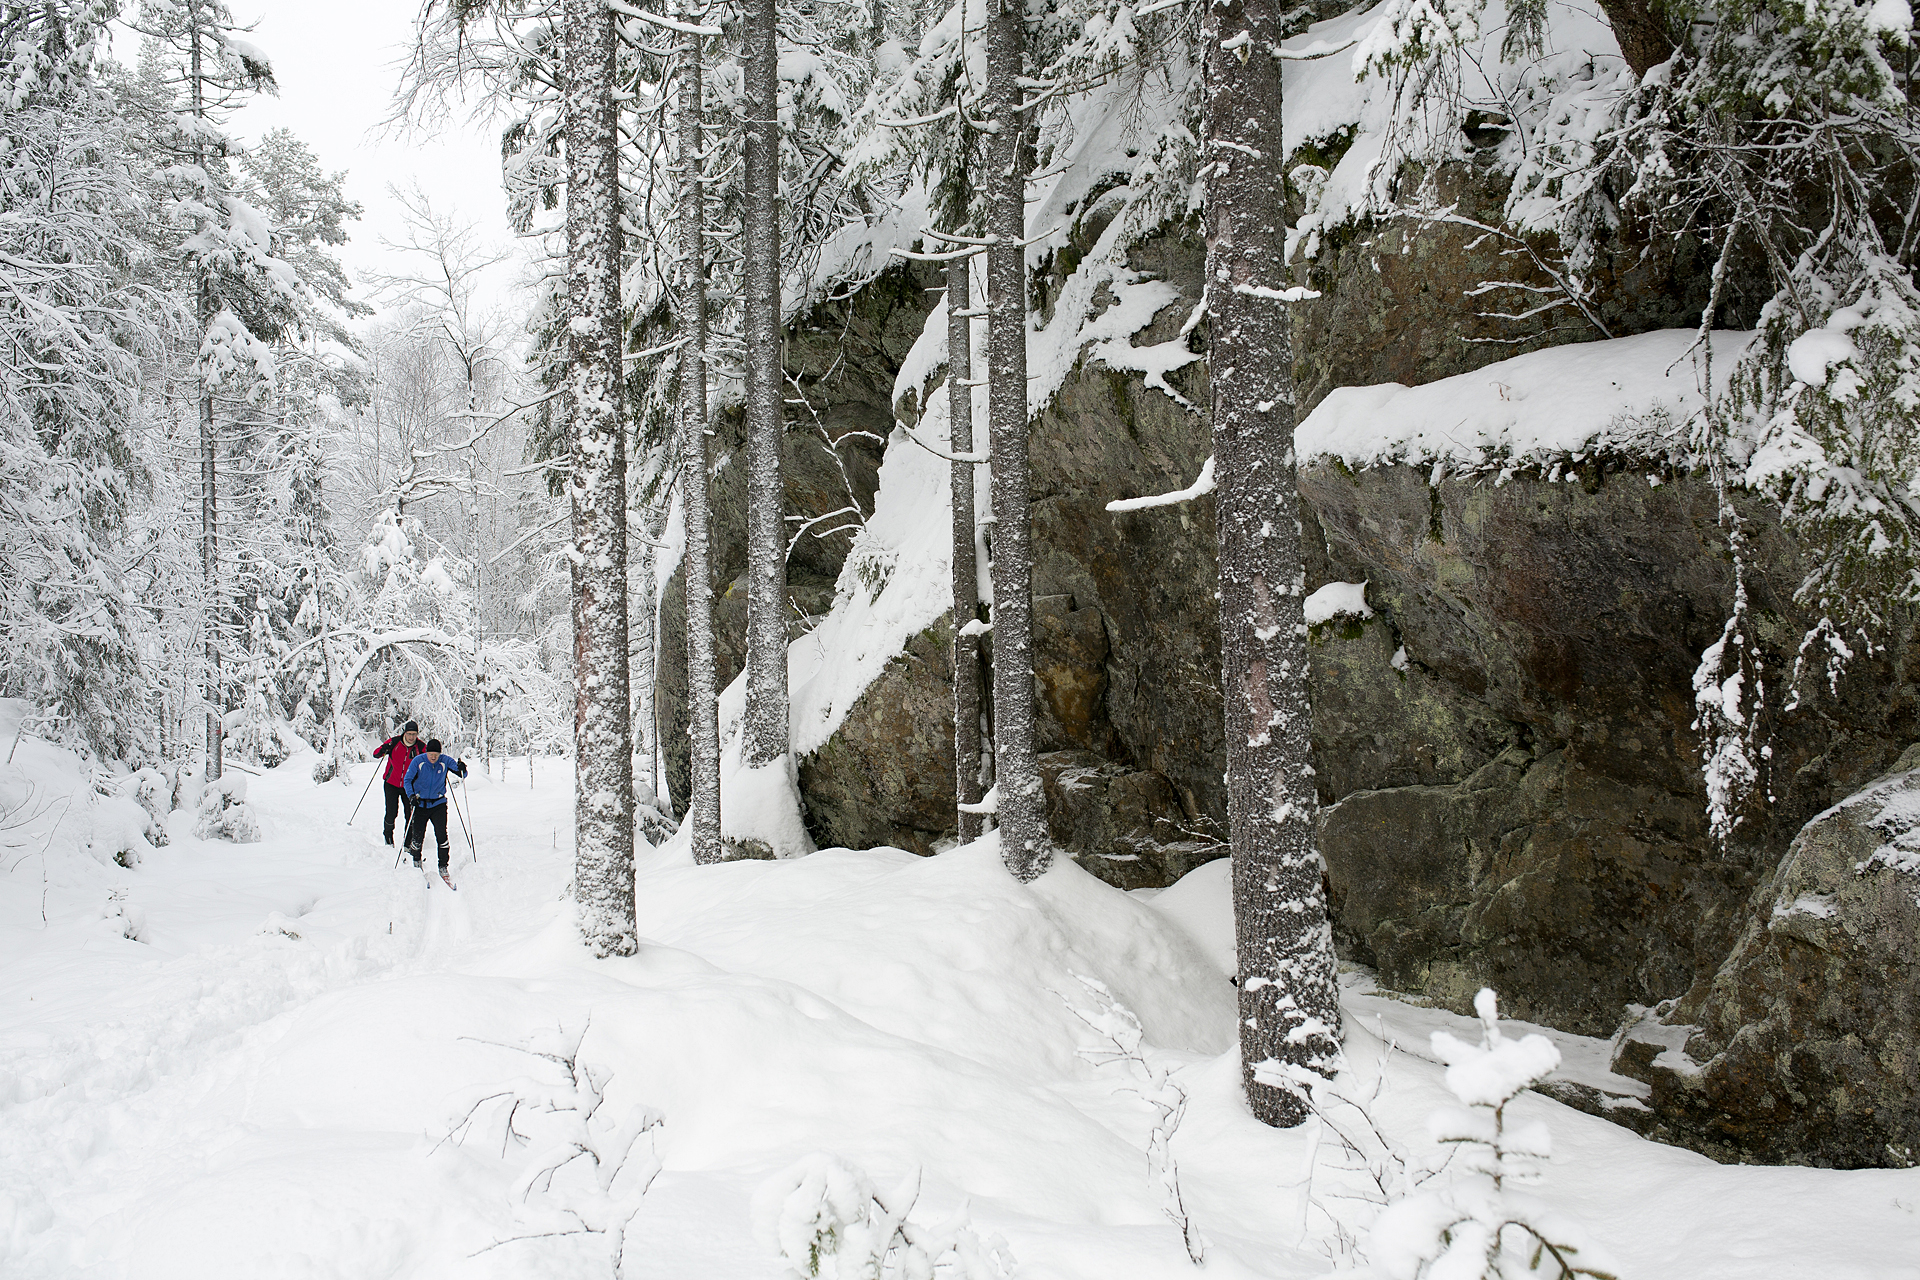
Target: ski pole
x: 465, y: 826
x: 365, y: 794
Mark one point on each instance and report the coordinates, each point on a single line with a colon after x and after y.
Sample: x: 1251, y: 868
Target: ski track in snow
x: 229, y: 1099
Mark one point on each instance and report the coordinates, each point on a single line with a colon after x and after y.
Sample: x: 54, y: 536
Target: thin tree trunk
x: 603, y: 750
x: 766, y: 710
x: 966, y: 569
x: 703, y: 800
x: 1289, y: 996
x: 1024, y: 844
x: 643, y: 607
x: 209, y: 459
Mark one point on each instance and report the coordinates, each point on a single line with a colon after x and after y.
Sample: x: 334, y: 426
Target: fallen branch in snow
x: 581, y: 1165
x: 938, y: 452
x: 1119, y: 1027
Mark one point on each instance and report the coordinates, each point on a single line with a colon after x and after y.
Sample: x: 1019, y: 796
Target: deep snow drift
x: 313, y: 1065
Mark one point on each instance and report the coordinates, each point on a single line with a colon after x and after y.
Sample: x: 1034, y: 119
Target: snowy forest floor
x: 265, y: 1084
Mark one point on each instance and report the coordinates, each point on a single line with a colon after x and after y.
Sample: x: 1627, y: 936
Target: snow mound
x: 947, y: 951
x: 1636, y: 395
x: 61, y: 818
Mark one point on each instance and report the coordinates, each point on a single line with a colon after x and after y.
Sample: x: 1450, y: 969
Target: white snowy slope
x: 266, y: 1086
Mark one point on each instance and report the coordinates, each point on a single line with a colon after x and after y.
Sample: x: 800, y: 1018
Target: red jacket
x: 400, y: 755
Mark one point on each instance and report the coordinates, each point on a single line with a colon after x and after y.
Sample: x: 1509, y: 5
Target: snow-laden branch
x: 661, y: 20
x: 1298, y: 293
x: 1203, y: 484
x: 915, y: 122
x: 1313, y: 52
x: 938, y: 452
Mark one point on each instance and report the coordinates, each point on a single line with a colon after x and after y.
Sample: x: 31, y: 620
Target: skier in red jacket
x: 400, y: 751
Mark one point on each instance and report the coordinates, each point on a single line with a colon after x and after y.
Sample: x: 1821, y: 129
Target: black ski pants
x: 397, y: 798
x: 417, y: 829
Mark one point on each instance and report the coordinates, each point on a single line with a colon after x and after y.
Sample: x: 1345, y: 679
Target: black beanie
x: 433, y: 744
x: 413, y: 726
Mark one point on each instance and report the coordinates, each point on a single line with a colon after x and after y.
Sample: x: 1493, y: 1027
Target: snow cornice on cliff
x: 1638, y: 397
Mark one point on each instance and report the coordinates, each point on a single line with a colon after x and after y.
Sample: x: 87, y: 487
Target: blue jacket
x: 427, y: 782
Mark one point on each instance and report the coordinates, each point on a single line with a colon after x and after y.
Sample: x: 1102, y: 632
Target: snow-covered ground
x: 280, y: 1077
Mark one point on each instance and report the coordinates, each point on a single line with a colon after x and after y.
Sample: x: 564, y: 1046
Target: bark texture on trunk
x: 602, y: 736
x: 210, y: 570
x: 766, y: 711
x: 1289, y: 996
x: 703, y: 802
x: 1025, y: 846
x: 1641, y: 28
x: 966, y: 569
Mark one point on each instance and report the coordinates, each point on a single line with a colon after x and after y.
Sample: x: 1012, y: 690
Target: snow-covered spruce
x: 1477, y: 1225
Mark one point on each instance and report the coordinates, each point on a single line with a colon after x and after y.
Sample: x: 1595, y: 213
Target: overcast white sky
x: 337, y: 62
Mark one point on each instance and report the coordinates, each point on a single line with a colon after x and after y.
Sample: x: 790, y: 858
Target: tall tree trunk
x: 209, y: 458
x: 1289, y: 997
x: 703, y: 800
x: 603, y: 746
x: 766, y: 711
x: 210, y: 570
x: 1024, y: 844
x: 966, y: 568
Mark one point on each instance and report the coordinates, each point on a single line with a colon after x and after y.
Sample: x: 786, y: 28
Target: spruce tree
x: 1289, y: 995
x: 1024, y: 844
x: 764, y: 729
x: 603, y: 748
x: 703, y: 804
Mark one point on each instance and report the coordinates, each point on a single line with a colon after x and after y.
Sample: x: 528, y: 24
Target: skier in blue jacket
x: 426, y: 785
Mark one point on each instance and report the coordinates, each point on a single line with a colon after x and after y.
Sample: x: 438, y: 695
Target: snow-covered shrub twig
x: 1120, y: 1028
x: 1478, y: 1227
x: 586, y: 1170
x: 1346, y: 1109
x: 828, y: 1222
x: 225, y: 813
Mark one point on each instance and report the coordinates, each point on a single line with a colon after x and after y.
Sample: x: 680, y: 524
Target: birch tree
x: 765, y: 733
x: 603, y: 768
x: 1024, y: 844
x: 1289, y: 996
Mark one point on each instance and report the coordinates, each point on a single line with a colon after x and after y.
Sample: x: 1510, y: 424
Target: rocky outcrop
x: 843, y: 363
x: 1804, y: 1045
x: 1505, y: 750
